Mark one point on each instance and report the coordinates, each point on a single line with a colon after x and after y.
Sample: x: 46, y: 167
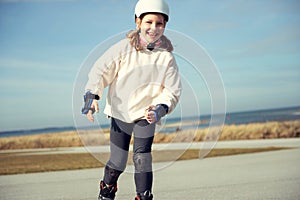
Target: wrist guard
x: 88, y: 100
x: 160, y: 110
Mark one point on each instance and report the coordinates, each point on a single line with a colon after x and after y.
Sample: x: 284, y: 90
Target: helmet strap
x: 149, y: 45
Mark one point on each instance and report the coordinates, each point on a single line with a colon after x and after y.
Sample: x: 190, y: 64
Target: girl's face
x: 152, y: 26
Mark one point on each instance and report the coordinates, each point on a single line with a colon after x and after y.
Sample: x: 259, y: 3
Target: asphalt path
x: 268, y: 175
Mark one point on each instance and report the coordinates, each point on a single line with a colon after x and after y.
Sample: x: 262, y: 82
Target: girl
x: 144, y: 85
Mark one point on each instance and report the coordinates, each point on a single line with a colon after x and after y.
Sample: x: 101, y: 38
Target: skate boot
x: 107, y: 192
x: 144, y: 196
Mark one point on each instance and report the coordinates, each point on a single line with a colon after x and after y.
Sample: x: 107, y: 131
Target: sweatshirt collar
x: 149, y: 46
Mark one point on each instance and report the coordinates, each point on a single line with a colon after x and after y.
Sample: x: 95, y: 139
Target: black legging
x: 120, y: 135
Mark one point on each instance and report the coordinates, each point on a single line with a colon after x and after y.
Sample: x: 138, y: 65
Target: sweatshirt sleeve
x: 104, y: 69
x: 171, y: 89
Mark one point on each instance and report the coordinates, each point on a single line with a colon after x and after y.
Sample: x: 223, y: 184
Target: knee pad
x: 142, y: 162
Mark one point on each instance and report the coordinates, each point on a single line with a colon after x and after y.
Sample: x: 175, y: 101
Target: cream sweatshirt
x: 136, y: 80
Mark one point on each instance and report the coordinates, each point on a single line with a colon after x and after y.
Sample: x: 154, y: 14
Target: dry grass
x: 268, y: 130
x: 15, y: 163
x: 53, y: 140
x: 287, y: 129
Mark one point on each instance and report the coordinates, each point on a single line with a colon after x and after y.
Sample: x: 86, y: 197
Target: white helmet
x: 152, y: 6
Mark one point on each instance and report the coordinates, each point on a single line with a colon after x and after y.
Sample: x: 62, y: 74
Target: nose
x: 154, y: 26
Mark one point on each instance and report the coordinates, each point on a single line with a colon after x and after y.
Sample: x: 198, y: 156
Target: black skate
x: 107, y: 192
x: 144, y: 196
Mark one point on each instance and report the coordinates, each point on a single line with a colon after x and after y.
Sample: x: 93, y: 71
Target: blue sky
x: 254, y: 44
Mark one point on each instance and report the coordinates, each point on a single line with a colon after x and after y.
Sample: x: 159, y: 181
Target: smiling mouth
x: 152, y: 34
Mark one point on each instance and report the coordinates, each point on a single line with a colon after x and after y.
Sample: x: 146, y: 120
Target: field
x: 17, y: 163
x: 268, y: 130
x: 14, y: 163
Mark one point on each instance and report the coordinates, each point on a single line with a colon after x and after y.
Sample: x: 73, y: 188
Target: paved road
x: 269, y: 175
